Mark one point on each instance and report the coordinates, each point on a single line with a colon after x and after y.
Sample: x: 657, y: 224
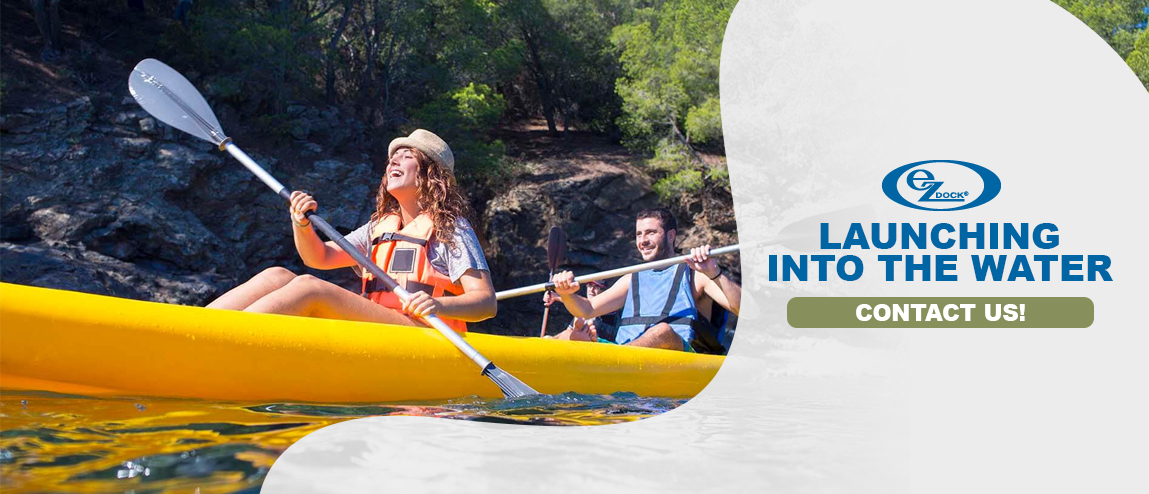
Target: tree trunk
x: 546, y: 92
x: 384, y: 79
x: 333, y: 50
x: 372, y: 51
x: 683, y: 139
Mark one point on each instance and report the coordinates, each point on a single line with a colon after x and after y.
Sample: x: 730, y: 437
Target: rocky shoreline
x: 99, y: 197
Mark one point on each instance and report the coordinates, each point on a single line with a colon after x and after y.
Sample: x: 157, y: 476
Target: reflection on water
x: 741, y: 435
x: 54, y: 442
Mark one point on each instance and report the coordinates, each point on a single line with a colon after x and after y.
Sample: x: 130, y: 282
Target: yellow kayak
x: 71, y: 342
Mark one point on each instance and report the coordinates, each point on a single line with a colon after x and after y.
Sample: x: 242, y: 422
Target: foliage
x: 255, y: 56
x: 678, y: 174
x: 1138, y: 58
x: 682, y: 182
x: 670, y: 59
x: 386, y: 58
x: 461, y: 117
x: 567, y: 67
x: 704, y: 122
x: 1122, y: 24
x: 669, y: 89
x: 642, y: 70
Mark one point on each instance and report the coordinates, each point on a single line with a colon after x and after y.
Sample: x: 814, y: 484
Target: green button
x: 940, y: 312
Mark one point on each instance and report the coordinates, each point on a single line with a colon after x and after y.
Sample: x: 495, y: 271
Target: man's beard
x: 663, y: 250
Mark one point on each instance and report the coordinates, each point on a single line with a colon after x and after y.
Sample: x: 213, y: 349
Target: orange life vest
x: 402, y: 254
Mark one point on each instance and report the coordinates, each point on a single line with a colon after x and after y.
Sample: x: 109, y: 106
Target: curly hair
x: 439, y: 198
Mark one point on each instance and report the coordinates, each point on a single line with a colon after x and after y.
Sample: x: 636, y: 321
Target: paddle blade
x: 556, y: 248
x: 802, y: 235
x: 510, y: 385
x: 169, y: 97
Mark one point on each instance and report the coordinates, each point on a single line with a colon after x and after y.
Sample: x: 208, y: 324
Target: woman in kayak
x: 418, y: 235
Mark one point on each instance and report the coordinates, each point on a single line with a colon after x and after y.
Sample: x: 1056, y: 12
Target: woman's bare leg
x: 309, y: 296
x: 240, y: 297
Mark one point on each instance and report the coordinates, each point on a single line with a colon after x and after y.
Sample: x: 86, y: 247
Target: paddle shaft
x: 355, y: 254
x: 181, y: 106
x: 614, y: 273
x: 546, y: 313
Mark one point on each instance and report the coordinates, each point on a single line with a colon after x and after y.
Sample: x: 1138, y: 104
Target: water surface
x: 55, y: 442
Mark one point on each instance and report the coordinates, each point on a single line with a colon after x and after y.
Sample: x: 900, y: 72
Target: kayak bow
x: 72, y: 342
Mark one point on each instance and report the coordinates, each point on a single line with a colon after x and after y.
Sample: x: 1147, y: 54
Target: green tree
x: 669, y: 88
x: 462, y: 117
x: 566, y: 58
x: 1138, y: 59
x: 1121, y: 23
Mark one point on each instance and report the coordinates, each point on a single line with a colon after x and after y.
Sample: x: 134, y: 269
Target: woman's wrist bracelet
x: 716, y: 275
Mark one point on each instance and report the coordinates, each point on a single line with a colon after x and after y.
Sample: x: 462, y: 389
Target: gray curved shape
x: 169, y: 97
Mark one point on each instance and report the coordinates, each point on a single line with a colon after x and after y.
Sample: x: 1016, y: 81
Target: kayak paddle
x: 802, y: 235
x: 556, y: 252
x: 167, y: 95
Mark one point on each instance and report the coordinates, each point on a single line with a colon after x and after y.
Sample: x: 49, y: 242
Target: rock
x: 15, y: 122
x: 148, y: 126
x: 325, y: 127
x: 178, y: 165
x: 74, y: 268
x: 59, y: 224
x: 300, y: 129
x: 134, y: 146
x: 157, y: 231
x: 618, y: 194
x: 114, y: 130
x: 176, y: 155
x: 345, y: 191
x: 58, y: 122
x: 109, y: 204
x: 77, y: 152
x: 14, y: 226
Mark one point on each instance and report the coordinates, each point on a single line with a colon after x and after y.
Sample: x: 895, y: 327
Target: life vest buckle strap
x: 398, y: 237
x: 374, y: 285
x: 649, y: 321
x: 674, y: 286
x: 414, y: 286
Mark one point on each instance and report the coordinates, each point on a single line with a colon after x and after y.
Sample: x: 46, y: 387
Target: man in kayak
x: 665, y: 308
x: 418, y: 235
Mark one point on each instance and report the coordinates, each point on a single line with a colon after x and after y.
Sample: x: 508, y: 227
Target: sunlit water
x: 54, y: 442
x: 803, y: 418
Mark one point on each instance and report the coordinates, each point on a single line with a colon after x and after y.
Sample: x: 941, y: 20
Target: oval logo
x: 941, y: 185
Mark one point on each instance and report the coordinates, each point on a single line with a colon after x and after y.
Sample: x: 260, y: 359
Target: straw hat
x: 430, y: 144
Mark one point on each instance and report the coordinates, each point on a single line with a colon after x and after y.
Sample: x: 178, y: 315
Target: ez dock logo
x: 941, y: 185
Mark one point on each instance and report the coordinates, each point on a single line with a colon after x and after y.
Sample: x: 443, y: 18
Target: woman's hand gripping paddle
x: 556, y: 252
x: 169, y: 97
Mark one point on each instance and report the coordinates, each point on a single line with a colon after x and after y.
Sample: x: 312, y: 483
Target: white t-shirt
x: 451, y: 261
